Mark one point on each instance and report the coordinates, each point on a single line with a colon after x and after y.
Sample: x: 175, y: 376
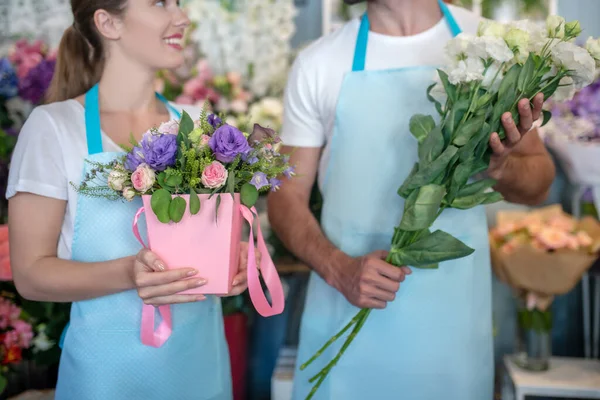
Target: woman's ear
x: 108, y: 25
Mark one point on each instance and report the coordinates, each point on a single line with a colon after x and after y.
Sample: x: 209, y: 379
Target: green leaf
x: 476, y: 187
x: 248, y: 195
x: 194, y: 202
x: 160, y: 202
x: 467, y: 130
x: 508, y: 86
x: 484, y: 100
x: 438, y: 105
x: 132, y: 140
x: 404, y: 191
x: 547, y: 116
x: 456, y: 114
x: 448, y: 87
x: 428, y: 172
x: 174, y: 180
x: 464, y: 203
x: 186, y: 125
x: 431, y: 147
x: 526, y: 74
x: 421, y: 207
x: 177, y: 209
x: 435, y: 248
x: 231, y: 182
x: 420, y: 125
x: 550, y: 89
x: 3, y: 383
x: 161, y: 178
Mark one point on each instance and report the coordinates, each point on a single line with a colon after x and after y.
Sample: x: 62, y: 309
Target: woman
x: 70, y: 248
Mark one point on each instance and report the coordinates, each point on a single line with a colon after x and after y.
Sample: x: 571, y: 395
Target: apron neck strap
x: 360, y: 52
x: 93, y: 130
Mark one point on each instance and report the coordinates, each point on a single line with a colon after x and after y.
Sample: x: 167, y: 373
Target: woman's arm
x: 34, y: 227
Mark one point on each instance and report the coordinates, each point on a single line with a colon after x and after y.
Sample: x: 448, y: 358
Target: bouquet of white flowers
x: 486, y: 76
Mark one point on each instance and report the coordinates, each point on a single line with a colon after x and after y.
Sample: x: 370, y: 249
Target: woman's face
x: 152, y: 32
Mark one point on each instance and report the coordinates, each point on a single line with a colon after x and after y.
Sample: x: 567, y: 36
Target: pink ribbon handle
x: 267, y: 270
x: 150, y: 336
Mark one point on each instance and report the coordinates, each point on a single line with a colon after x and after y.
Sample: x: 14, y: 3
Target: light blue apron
x: 103, y: 357
x: 434, y: 342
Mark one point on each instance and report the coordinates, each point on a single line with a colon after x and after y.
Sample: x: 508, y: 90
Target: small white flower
x: 491, y: 28
x: 465, y: 71
x: 42, y: 342
x: 128, y: 193
x: 116, y: 179
x: 593, y: 47
x: 555, y: 26
x: 577, y: 60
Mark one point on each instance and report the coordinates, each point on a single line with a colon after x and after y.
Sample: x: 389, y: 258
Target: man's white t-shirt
x: 316, y: 77
x: 50, y: 154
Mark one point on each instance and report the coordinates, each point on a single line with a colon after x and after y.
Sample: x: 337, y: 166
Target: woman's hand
x: 240, y: 281
x: 158, y: 286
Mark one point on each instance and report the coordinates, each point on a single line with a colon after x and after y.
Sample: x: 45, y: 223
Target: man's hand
x: 368, y: 281
x: 514, y: 134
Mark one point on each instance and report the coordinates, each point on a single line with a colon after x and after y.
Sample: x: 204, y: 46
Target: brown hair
x: 80, y: 58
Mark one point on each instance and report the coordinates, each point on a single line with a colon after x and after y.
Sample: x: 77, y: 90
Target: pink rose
x: 143, y: 178
x: 169, y: 127
x: 553, y: 238
x: 214, y: 175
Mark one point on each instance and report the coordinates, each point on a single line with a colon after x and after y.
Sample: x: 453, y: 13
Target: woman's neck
x: 127, y: 87
x: 403, y: 17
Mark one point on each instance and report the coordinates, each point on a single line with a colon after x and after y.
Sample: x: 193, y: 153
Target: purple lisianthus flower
x: 259, y: 180
x: 275, y: 184
x: 8, y: 79
x: 227, y: 143
x: 289, y: 172
x: 214, y: 121
x: 160, y: 151
x: 33, y: 87
x: 134, y: 158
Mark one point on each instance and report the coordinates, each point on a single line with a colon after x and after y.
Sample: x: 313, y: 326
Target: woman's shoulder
x: 57, y: 113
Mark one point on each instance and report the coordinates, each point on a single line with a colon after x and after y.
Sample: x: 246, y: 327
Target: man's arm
x: 366, y: 281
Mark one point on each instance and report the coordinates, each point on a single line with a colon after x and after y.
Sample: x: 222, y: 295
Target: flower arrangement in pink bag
x: 206, y: 156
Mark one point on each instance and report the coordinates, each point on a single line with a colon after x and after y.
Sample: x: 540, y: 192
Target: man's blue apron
x: 434, y: 342
x: 103, y: 357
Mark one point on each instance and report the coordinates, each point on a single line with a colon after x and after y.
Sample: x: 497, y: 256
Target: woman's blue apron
x: 434, y: 342
x: 103, y: 357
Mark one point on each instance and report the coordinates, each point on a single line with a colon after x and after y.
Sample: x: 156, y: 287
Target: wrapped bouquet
x: 486, y: 76
x: 199, y: 179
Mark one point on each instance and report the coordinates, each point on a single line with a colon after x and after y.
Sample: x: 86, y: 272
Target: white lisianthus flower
x: 555, y: 26
x: 573, y: 28
x: 456, y: 48
x: 577, y: 60
x: 517, y: 40
x: 492, y: 78
x: 593, y: 47
x: 566, y: 90
x: 487, y: 47
x: 465, y: 71
x: 538, y: 35
x: 491, y: 28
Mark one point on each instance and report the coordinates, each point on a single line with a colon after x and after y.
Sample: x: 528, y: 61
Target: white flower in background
x: 466, y: 71
x: 555, y: 26
x: 41, y: 342
x: 593, y: 47
x: 487, y: 47
x: 491, y: 28
x: 576, y: 59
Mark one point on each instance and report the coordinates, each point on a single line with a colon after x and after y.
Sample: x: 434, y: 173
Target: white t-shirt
x: 316, y: 77
x: 51, y: 152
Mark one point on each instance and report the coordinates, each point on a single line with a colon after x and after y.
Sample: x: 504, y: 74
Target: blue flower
x: 275, y: 184
x: 214, y: 121
x: 9, y: 83
x: 259, y: 180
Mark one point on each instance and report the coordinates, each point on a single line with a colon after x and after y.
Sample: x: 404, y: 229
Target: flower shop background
x: 238, y: 59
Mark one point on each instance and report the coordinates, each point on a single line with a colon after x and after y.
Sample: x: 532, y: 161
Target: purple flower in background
x: 214, y: 120
x: 275, y: 184
x: 8, y: 79
x: 134, y: 158
x: 33, y: 87
x: 227, y: 143
x: 159, y: 151
x: 259, y: 180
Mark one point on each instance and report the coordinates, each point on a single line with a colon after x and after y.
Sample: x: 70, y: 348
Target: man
x: 347, y: 108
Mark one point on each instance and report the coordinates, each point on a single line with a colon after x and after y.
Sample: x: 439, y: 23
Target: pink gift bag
x: 209, y: 242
